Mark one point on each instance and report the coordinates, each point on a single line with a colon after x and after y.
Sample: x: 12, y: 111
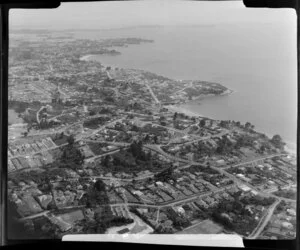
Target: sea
x: 257, y: 61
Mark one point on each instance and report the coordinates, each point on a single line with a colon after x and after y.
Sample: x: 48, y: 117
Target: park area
x: 204, y: 227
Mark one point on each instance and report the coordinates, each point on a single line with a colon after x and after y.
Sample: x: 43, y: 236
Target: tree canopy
x: 277, y: 141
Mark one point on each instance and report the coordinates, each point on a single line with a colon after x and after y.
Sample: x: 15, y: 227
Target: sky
x: 119, y: 14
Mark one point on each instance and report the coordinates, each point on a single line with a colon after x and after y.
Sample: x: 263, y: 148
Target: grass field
x: 71, y: 217
x: 203, y: 227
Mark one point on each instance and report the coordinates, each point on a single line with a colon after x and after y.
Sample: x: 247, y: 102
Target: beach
x: 87, y: 58
x: 180, y: 109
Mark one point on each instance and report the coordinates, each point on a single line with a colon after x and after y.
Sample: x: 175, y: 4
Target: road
x: 239, y: 181
x: 263, y: 221
x: 153, y: 95
x: 166, y: 204
x: 82, y: 137
x: 180, y: 90
x: 255, y: 160
x: 220, y: 170
x: 122, y: 144
x: 44, y: 213
x: 173, y: 203
x: 38, y: 114
x: 158, y: 149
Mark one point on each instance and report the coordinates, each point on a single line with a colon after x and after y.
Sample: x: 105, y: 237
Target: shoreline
x: 93, y: 57
x: 86, y: 58
x: 201, y: 97
x: 290, y: 147
x: 179, y: 109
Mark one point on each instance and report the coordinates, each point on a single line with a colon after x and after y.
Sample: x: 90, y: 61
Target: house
x: 260, y: 208
x: 220, y: 162
x: 244, y: 188
x: 142, y: 210
x: 190, y: 156
x: 249, y: 209
x: 254, y: 192
x: 159, y: 183
x: 137, y: 192
x: 241, y: 176
x: 179, y: 209
x: 287, y: 225
x: 291, y: 212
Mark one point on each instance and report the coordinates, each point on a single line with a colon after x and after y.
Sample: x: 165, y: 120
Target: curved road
x: 264, y: 221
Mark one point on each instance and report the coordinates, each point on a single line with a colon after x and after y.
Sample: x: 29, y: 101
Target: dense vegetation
x: 97, y: 199
x: 95, y: 122
x: 132, y: 160
x: 71, y: 156
x: 235, y: 216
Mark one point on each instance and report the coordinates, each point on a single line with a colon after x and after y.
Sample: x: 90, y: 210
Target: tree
x: 105, y: 161
x: 202, y: 123
x: 162, y: 119
x: 71, y: 140
x: 224, y: 124
x: 222, y: 220
x: 262, y: 148
x: 248, y: 125
x: 176, y: 124
x: 99, y: 185
x: 71, y: 157
x: 175, y: 116
x: 15, y: 228
x: 97, y: 195
x: 188, y: 148
x: 147, y: 137
x: 277, y: 141
x: 92, y: 113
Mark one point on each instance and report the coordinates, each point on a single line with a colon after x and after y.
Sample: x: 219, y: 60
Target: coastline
x: 179, y: 109
x: 290, y: 147
x: 202, y: 97
x: 93, y: 57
